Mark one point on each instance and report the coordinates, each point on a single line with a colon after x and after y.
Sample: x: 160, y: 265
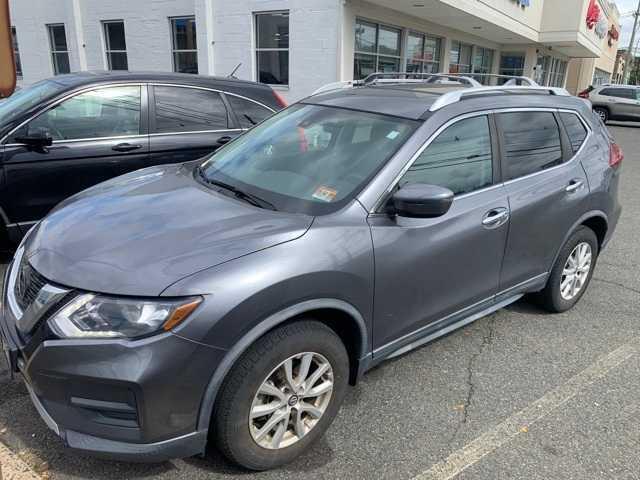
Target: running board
x: 455, y: 326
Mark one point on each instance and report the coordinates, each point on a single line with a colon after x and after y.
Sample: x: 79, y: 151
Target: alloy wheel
x: 576, y: 271
x: 291, y: 400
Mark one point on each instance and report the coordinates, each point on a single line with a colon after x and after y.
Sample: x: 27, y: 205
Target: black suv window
x: 248, y: 113
x: 575, y: 130
x: 459, y: 158
x: 619, y: 92
x: 180, y: 109
x: 532, y: 142
x: 104, y: 112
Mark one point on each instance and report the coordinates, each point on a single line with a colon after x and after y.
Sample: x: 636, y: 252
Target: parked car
x: 70, y: 132
x: 614, y: 102
x: 233, y: 301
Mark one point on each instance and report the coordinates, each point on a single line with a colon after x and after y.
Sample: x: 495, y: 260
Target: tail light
x: 279, y: 99
x: 584, y: 94
x: 615, y: 155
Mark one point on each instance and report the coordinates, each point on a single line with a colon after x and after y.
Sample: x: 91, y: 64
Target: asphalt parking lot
x: 519, y: 394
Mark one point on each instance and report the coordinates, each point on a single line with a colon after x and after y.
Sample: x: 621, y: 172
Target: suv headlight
x: 97, y: 316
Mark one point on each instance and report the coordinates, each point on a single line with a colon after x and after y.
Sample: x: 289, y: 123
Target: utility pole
x: 627, y: 60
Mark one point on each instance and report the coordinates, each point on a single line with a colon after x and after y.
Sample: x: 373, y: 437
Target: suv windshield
x: 23, y: 100
x: 309, y: 158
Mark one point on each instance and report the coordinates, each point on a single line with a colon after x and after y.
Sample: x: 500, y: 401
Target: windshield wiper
x: 246, y: 196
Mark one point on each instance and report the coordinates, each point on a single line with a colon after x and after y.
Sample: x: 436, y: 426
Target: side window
x: 619, y: 92
x: 249, y: 113
x: 532, y: 142
x: 459, y: 158
x: 575, y: 129
x: 180, y: 109
x: 104, y: 112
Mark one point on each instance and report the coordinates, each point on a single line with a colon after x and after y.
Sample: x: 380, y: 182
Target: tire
x: 237, y: 435
x: 556, y: 297
x: 603, y: 113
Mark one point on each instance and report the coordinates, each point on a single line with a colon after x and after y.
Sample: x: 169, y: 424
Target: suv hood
x: 139, y: 233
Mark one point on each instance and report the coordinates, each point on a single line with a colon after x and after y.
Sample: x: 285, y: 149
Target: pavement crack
x: 617, y: 284
x: 487, y: 340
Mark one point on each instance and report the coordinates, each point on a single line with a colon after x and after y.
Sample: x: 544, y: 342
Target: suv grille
x: 28, y: 285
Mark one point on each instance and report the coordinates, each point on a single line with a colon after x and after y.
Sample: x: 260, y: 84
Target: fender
x: 208, y: 401
x: 580, y: 221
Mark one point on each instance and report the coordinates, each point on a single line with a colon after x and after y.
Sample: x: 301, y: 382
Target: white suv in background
x: 614, y: 102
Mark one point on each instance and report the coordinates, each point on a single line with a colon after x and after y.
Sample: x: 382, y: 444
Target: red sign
x: 593, y: 14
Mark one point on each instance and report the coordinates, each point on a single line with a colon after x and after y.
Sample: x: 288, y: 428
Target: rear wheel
x: 572, y: 271
x: 603, y: 113
x: 281, y: 396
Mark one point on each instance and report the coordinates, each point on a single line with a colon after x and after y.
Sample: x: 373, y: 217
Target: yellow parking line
x: 519, y: 422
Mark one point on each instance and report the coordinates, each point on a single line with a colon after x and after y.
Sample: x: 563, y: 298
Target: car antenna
x: 233, y: 73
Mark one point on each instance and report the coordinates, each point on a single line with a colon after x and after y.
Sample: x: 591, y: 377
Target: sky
x: 626, y: 6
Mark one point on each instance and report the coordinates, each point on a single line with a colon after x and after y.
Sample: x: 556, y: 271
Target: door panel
x: 187, y: 123
x: 97, y: 134
x: 427, y: 269
x: 36, y: 182
x: 546, y: 196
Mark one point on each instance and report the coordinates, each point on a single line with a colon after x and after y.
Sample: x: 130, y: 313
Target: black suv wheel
x: 281, y: 395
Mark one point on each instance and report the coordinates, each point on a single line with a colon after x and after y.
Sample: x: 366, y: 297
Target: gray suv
x: 232, y: 300
x: 615, y: 102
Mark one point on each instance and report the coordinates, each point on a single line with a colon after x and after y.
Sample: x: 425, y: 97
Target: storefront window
x: 423, y: 53
x: 557, y: 73
x: 377, y: 49
x: 600, y: 77
x: 482, y: 61
x: 543, y: 66
x: 511, y: 64
x: 460, y: 58
x: 272, y: 47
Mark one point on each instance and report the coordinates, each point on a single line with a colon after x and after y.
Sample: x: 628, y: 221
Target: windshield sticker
x: 393, y: 134
x: 326, y: 194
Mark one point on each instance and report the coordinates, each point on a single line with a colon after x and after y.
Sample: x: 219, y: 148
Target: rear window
x: 532, y: 142
x: 575, y: 130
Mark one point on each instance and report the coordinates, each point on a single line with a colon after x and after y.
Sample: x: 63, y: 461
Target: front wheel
x: 572, y: 271
x: 281, y: 395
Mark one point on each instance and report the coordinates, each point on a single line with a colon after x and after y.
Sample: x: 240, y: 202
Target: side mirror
x: 419, y: 200
x: 36, y: 138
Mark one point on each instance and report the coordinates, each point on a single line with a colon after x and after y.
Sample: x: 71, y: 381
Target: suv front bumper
x: 125, y: 400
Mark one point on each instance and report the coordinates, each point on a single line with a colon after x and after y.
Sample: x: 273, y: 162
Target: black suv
x: 70, y: 132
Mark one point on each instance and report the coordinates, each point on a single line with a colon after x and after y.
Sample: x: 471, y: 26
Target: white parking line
x: 13, y: 468
x: 493, y: 439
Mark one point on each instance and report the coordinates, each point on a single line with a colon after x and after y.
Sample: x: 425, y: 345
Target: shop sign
x: 593, y: 14
x: 614, y: 35
x: 601, y: 27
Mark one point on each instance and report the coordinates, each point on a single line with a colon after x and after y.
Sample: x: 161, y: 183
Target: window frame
x: 403, y: 36
x: 461, y: 46
x: 52, y: 47
x: 16, y: 52
x: 497, y: 147
x: 144, y: 124
x: 174, y: 49
x: 107, y: 47
x: 257, y: 48
x: 404, y: 50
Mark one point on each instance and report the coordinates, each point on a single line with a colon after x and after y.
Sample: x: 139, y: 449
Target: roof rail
x: 457, y: 95
x: 417, y: 77
x: 329, y: 87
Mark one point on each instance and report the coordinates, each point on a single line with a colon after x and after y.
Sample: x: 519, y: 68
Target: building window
x: 185, y: 49
x: 16, y: 52
x: 511, y: 64
x: 557, y: 73
x: 377, y: 49
x: 423, y: 53
x: 59, y: 50
x: 542, y: 68
x: 272, y: 47
x: 460, y: 58
x: 600, y: 77
x: 482, y: 63
x: 115, y: 45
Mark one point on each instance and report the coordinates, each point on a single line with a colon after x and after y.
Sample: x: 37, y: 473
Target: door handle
x: 223, y: 140
x: 574, y: 185
x: 496, y: 217
x: 125, y: 147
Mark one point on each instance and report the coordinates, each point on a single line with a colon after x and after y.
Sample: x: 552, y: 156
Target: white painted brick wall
x: 313, y: 36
